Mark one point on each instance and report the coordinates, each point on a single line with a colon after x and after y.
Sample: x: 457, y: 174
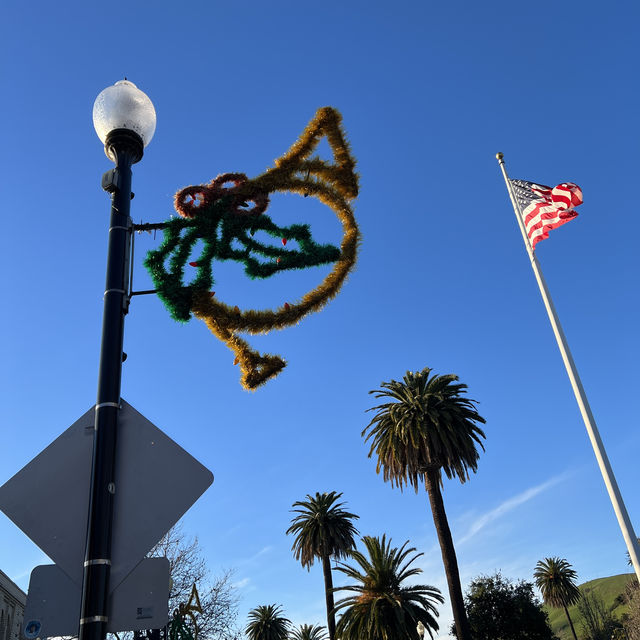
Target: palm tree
x: 308, y: 632
x: 556, y: 580
x: 266, y: 622
x: 323, y: 530
x: 382, y: 608
x: 425, y: 429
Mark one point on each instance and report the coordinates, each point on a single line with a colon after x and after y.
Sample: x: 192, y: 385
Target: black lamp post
x: 125, y: 121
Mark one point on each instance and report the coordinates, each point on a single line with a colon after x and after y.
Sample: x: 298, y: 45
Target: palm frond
x: 429, y: 424
x: 308, y: 632
x: 382, y: 607
x: 556, y: 580
x: 267, y: 622
x: 322, y: 528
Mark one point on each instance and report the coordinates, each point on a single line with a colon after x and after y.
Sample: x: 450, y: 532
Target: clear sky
x: 429, y: 93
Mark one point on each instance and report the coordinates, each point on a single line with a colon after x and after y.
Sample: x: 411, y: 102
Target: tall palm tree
x: 323, y: 530
x: 556, y: 580
x: 382, y: 607
x: 428, y: 427
x: 267, y: 622
x: 308, y: 632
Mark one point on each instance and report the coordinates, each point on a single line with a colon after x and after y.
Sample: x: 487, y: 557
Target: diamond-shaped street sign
x: 156, y: 482
x: 139, y: 602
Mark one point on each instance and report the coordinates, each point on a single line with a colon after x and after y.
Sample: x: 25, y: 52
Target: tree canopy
x: 428, y: 424
x: 499, y: 609
x: 267, y: 622
x: 308, y: 632
x: 322, y: 528
x: 383, y: 606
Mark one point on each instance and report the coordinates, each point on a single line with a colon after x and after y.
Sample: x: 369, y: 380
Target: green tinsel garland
x: 218, y: 227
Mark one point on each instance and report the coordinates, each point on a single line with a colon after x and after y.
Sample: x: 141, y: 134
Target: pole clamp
x: 108, y: 404
x: 94, y: 619
x: 89, y: 563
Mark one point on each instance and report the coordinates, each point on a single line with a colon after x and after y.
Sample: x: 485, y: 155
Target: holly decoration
x: 226, y: 236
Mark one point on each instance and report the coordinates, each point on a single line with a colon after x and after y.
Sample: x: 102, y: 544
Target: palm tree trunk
x: 328, y: 591
x: 570, y: 623
x: 432, y: 483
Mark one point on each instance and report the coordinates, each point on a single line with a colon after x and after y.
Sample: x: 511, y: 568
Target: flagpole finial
x: 499, y: 155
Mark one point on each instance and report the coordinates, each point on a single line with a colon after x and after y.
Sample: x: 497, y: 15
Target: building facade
x: 12, y: 603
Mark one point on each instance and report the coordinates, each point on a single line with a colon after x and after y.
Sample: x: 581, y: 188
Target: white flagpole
x: 578, y: 390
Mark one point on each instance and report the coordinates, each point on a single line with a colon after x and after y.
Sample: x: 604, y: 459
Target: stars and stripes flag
x: 545, y: 208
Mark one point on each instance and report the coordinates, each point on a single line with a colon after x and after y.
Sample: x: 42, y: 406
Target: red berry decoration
x: 284, y: 241
x: 194, y: 264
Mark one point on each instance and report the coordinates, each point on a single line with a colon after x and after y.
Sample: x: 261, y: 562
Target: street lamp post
x: 125, y: 121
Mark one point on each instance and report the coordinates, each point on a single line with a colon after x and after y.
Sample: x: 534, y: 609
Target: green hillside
x: 606, y: 588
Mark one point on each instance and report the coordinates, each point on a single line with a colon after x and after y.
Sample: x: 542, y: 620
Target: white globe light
x: 124, y: 106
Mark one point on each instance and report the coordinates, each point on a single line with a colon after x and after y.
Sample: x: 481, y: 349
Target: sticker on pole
x: 32, y: 629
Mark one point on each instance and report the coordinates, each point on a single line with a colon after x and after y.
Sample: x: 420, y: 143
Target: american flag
x: 545, y: 208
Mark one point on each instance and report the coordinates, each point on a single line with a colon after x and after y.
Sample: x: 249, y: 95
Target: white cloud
x: 240, y: 584
x: 508, y: 505
x: 264, y: 551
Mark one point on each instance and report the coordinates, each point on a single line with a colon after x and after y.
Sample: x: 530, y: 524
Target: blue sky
x: 429, y: 92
